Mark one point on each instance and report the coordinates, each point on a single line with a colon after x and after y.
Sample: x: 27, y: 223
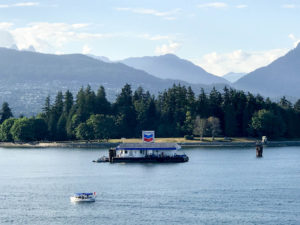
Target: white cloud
x: 167, y: 48
x: 20, y: 4
x: 168, y: 15
x: 6, y: 39
x: 295, y: 40
x: 213, y: 5
x: 154, y: 37
x: 80, y: 25
x: 238, y: 61
x: 5, y: 25
x: 50, y: 37
x: 86, y: 50
x: 292, y: 36
x: 241, y: 6
x: 289, y: 6
x: 220, y: 5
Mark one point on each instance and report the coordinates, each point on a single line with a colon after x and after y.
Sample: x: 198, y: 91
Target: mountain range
x: 26, y: 78
x: 170, y: 66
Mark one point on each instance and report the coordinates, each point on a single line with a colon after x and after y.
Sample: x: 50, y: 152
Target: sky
x: 220, y: 36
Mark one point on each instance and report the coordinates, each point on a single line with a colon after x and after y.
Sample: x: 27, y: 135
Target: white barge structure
x: 146, y: 153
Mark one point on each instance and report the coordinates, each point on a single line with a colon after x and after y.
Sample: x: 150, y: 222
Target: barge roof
x: 148, y: 146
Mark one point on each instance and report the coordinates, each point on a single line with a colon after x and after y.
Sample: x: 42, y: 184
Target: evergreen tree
x: 142, y: 102
x: 188, y: 123
x: 102, y: 104
x: 202, y: 105
x: 54, y: 115
x: 58, y: 106
x: 39, y: 129
x: 68, y: 102
x: 46, y: 109
x: 126, y: 114
x: 284, y: 103
x: 191, y: 101
x: 61, y: 131
x: 152, y: 114
x: 297, y: 106
x: 90, y: 101
x: 72, y: 122
x: 5, y: 112
x: 230, y: 122
x: 81, y: 111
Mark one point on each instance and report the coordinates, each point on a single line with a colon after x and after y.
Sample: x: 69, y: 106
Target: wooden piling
x: 259, y: 150
x: 111, y: 154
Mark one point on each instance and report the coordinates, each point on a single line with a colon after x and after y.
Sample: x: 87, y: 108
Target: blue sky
x: 221, y: 36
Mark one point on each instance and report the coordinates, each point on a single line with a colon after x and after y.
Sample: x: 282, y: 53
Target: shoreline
x: 87, y: 144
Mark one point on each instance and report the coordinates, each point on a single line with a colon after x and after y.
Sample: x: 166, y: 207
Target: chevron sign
x: 148, y: 136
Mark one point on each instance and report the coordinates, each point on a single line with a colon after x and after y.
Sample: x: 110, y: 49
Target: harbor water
x: 216, y: 186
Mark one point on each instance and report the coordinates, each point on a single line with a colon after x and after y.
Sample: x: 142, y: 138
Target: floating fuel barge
x: 146, y: 153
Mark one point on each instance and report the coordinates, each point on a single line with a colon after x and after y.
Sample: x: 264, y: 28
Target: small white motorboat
x: 83, y: 197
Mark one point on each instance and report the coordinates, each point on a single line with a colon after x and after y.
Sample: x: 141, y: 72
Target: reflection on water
x: 228, y: 186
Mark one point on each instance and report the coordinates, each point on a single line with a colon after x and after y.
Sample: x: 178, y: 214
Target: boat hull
x: 73, y: 199
x: 175, y: 159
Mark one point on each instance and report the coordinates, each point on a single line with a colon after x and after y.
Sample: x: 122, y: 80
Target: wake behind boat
x: 83, y: 197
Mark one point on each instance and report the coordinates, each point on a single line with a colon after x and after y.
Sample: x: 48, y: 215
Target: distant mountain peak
x: 169, y: 55
x: 101, y: 58
x: 29, y: 49
x: 170, y: 66
x: 233, y: 77
x: 14, y: 47
x: 281, y: 77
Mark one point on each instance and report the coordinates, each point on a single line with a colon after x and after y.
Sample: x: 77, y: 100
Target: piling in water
x: 259, y: 149
x: 111, y: 154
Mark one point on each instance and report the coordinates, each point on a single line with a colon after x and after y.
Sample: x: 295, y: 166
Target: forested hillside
x: 175, y: 112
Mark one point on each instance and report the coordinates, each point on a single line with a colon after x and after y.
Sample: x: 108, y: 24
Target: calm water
x: 217, y: 186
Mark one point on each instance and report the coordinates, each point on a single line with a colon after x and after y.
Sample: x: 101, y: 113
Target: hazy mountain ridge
x: 170, y: 66
x: 233, y: 77
x: 26, y: 78
x: 281, y: 77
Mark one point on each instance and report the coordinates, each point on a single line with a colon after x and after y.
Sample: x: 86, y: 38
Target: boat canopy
x: 79, y: 194
x: 148, y: 146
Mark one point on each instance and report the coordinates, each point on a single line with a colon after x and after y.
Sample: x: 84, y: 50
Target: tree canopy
x: 175, y: 112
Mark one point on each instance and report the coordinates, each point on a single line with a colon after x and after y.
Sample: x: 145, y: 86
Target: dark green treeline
x: 172, y: 113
